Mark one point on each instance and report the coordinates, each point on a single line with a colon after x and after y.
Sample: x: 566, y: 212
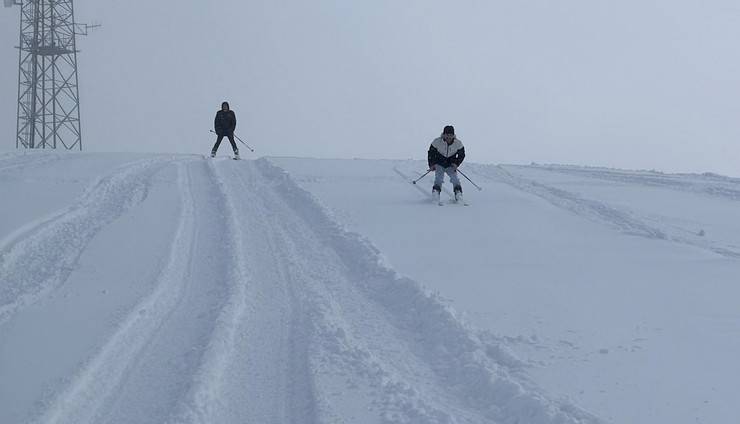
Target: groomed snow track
x: 38, y: 257
x: 264, y: 311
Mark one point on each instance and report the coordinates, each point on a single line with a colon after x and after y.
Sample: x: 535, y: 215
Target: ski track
x: 38, y: 259
x: 427, y: 194
x: 209, y: 400
x: 93, y: 388
x: 624, y: 221
x: 422, y: 363
x: 707, y: 184
x: 305, y: 323
x: 14, y: 162
x: 270, y: 246
x: 255, y: 368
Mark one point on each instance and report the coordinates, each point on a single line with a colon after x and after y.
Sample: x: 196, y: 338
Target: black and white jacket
x: 443, y: 154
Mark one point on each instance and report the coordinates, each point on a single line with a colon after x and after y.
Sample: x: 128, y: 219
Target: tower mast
x: 48, y: 83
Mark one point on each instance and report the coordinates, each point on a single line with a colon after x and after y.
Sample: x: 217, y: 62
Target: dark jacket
x: 225, y: 122
x: 443, y: 154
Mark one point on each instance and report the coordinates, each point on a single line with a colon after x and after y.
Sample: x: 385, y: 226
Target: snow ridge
x: 95, y: 385
x: 35, y: 262
x: 460, y: 383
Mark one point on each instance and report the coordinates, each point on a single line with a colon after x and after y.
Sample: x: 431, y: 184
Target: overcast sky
x: 631, y: 83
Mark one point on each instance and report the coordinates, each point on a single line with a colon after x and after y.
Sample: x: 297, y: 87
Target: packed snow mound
x: 189, y: 290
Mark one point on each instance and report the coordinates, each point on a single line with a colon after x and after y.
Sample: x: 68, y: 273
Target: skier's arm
x: 215, y: 123
x: 430, y: 156
x: 460, y: 156
x: 233, y: 122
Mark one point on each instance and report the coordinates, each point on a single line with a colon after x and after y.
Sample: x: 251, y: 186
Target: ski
x: 452, y: 201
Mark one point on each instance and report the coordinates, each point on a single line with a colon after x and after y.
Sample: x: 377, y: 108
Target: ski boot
x: 236, y: 154
x: 458, y: 194
x: 213, y: 154
x: 436, y: 192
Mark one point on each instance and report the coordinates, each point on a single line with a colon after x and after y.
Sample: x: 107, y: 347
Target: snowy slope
x: 618, y: 289
x: 177, y: 289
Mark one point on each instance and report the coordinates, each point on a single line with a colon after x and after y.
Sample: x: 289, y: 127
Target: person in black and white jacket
x: 445, y: 155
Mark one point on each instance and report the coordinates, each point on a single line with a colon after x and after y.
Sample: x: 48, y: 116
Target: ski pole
x: 471, y: 181
x: 419, y: 179
x: 237, y: 137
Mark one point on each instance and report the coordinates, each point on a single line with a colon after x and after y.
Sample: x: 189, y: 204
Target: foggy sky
x: 642, y: 84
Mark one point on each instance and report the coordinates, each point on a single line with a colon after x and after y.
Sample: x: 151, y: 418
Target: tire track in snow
x: 418, y: 363
x: 95, y: 386
x: 38, y: 260
x: 601, y: 212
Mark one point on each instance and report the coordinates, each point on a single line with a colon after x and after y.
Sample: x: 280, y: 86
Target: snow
x: 597, y: 279
x: 178, y: 289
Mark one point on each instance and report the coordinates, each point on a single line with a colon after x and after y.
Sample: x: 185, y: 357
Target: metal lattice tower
x: 48, y: 94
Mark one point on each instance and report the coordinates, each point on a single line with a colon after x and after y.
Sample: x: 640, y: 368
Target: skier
x: 225, y: 124
x: 445, y: 155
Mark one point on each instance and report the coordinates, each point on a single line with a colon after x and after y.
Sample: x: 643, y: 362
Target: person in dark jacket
x: 224, y: 125
x: 444, y: 157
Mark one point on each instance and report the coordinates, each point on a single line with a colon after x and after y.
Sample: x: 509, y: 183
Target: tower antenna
x: 48, y: 83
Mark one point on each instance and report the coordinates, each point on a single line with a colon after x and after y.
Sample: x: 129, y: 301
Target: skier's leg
x: 454, y: 179
x: 456, y: 187
x: 439, y: 178
x: 218, y: 143
x: 233, y: 144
